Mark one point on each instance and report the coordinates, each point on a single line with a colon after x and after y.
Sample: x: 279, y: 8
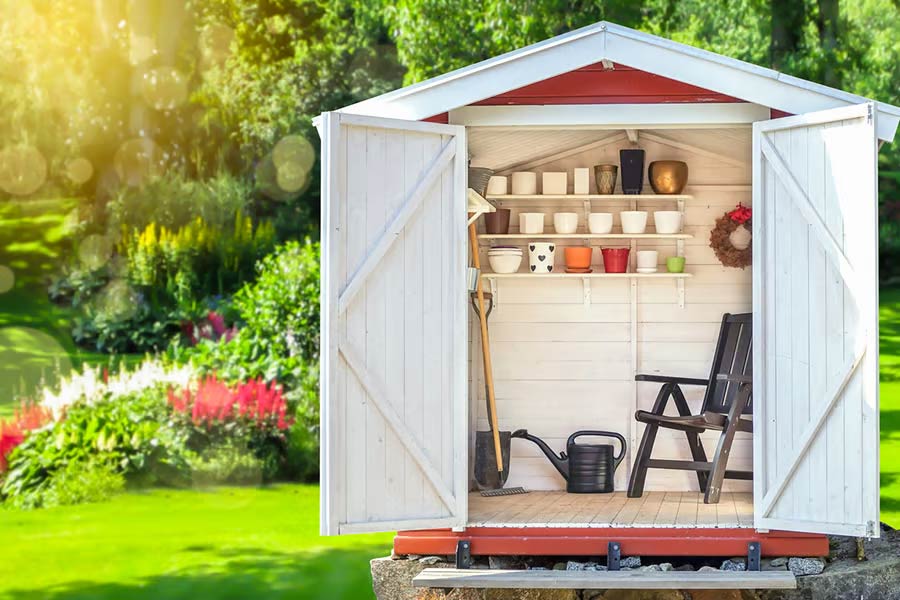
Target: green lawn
x: 240, y: 543
x: 35, y: 340
x: 890, y: 406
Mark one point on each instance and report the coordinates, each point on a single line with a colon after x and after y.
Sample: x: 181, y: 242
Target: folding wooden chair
x: 728, y: 396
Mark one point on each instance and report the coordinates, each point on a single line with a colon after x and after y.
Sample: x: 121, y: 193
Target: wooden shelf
x: 595, y: 275
x: 586, y: 236
x: 593, y: 197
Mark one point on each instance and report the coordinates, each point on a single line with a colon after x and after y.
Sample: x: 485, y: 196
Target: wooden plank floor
x: 653, y: 509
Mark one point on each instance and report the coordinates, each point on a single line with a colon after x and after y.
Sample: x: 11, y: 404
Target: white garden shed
x: 401, y: 388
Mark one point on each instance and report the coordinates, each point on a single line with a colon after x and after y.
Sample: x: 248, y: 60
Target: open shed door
x: 815, y: 326
x: 393, y: 376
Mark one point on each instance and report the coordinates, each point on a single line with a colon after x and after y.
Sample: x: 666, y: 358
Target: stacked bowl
x: 505, y: 259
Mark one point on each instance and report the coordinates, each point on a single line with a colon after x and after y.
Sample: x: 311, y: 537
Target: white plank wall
x: 561, y: 366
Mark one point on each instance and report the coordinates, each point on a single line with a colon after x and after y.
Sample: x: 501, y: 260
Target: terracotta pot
x: 668, y: 176
x: 578, y: 257
x: 497, y: 222
x: 615, y: 260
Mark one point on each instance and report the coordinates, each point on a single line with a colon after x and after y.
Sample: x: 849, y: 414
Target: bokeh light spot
x: 79, y: 171
x: 117, y: 301
x: 293, y: 157
x: 164, y: 88
x: 23, y: 169
x: 94, y: 251
x: 7, y: 279
x: 29, y: 358
x: 215, y: 44
x: 141, y: 49
x: 136, y: 160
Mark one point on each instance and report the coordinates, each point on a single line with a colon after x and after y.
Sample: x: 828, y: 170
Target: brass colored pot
x: 605, y: 177
x: 668, y: 176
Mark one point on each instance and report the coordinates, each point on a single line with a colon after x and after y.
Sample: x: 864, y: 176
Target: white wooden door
x: 815, y: 327
x: 393, y: 367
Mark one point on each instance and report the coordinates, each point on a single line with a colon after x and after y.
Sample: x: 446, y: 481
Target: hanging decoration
x: 731, y: 239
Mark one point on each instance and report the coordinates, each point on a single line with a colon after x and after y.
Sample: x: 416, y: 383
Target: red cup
x: 615, y: 260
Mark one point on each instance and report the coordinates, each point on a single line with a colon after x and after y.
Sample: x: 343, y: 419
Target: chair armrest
x: 733, y: 377
x: 667, y: 379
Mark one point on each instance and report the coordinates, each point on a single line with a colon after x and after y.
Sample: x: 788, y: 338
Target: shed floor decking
x: 653, y: 509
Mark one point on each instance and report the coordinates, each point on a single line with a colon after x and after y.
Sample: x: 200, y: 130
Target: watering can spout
x: 561, y: 462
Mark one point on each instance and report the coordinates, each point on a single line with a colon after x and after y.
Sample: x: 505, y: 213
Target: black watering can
x: 587, y: 468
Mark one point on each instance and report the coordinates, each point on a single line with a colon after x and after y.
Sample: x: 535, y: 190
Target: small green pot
x: 675, y: 264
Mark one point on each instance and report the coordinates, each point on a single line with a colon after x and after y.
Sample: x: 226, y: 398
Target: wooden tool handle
x: 486, y: 350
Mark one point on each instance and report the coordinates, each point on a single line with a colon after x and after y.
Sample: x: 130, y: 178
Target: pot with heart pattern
x: 540, y: 257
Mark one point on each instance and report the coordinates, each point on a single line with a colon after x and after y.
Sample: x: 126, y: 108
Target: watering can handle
x: 618, y: 459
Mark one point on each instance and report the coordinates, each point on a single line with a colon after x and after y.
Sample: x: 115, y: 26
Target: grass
x: 239, y: 543
x: 35, y: 340
x: 890, y: 406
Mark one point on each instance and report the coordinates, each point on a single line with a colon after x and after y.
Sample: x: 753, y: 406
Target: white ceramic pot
x: 498, y: 186
x: 555, y: 183
x: 505, y: 263
x: 524, y: 183
x: 633, y: 221
x: 668, y: 221
x: 582, y: 176
x: 540, y: 257
x: 647, y: 260
x: 531, y: 223
x: 600, y: 222
x: 565, y: 222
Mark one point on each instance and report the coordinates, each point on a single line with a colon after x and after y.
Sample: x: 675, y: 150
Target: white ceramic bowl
x: 600, y: 222
x: 647, y: 260
x: 540, y: 256
x: 524, y: 183
x: 667, y: 221
x: 531, y: 223
x: 505, y: 263
x: 565, y: 222
x: 633, y: 221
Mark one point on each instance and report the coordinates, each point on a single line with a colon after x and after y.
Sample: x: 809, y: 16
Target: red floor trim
x: 651, y: 541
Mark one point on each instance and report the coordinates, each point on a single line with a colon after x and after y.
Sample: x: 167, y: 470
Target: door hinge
x: 870, y: 113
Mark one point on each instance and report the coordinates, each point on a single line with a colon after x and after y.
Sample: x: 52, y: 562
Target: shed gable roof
x: 608, y: 41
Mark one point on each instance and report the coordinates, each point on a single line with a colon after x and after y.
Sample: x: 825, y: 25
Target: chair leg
x: 699, y: 455
x: 639, y: 470
x: 723, y: 449
x: 693, y: 439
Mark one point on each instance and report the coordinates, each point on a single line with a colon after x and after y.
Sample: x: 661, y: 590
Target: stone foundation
x: 844, y: 576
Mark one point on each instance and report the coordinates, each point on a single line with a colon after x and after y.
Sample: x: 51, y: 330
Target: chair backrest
x: 734, y: 356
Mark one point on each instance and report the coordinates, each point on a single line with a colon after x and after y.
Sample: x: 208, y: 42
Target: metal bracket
x: 494, y: 295
x: 586, y: 290
x: 679, y: 286
x: 463, y: 554
x: 613, y: 556
x: 587, y: 211
x: 754, y: 554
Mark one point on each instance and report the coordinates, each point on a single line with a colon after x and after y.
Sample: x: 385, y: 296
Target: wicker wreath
x: 720, y: 239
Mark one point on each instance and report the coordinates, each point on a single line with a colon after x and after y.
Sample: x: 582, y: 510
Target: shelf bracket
x: 587, y: 211
x: 495, y: 297
x: 586, y: 290
x: 679, y: 284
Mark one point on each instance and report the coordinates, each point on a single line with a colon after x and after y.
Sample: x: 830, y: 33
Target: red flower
x: 26, y: 418
x: 741, y: 214
x: 215, y: 402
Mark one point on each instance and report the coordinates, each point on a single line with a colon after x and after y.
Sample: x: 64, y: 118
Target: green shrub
x: 130, y: 434
x: 78, y: 482
x: 227, y: 463
x: 279, y: 342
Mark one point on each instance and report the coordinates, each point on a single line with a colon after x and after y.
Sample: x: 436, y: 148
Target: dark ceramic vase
x: 631, y: 162
x: 497, y: 222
